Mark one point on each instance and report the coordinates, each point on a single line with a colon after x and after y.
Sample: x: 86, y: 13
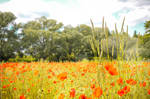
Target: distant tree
x: 145, y: 41
x: 39, y: 37
x: 9, y: 42
x: 135, y: 34
x: 84, y: 29
x: 147, y: 26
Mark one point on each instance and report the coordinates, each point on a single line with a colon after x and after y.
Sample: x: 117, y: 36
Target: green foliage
x: 147, y: 26
x: 145, y: 46
x: 145, y: 42
x: 9, y: 39
x: 49, y: 40
x: 40, y: 36
x: 22, y: 59
x: 135, y: 34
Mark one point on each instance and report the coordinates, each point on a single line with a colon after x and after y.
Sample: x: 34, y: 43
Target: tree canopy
x: 50, y: 40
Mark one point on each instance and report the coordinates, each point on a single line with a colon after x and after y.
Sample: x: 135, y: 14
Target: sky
x: 75, y: 12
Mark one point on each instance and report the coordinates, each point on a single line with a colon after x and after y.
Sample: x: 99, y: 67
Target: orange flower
x: 72, y: 93
x: 71, y: 81
x: 49, y: 70
x: 28, y: 89
x: 126, y: 89
x: 49, y: 76
x: 121, y: 92
x: 110, y: 68
x: 131, y: 81
x: 92, y: 86
x: 112, y: 84
x: 82, y: 74
x: 97, y: 92
x: 22, y: 97
x: 149, y: 72
x: 62, y: 76
x: 120, y: 81
x: 54, y: 82
x: 5, y: 86
x: 61, y: 96
x: 143, y: 84
x: 36, y: 72
x: 82, y: 96
x: 113, y: 71
x: 149, y: 91
x: 15, y: 88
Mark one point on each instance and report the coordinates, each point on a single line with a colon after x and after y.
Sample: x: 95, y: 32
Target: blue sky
x: 77, y: 12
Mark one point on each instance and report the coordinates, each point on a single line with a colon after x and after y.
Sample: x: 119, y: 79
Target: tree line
x: 50, y: 40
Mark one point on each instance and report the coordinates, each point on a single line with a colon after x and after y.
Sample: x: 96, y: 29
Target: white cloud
x: 79, y: 12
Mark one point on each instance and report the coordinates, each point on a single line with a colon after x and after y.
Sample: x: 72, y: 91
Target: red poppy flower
x: 97, y: 92
x: 72, y: 92
x: 149, y: 91
x: 62, y: 76
x: 82, y: 96
x: 131, y: 81
x: 143, y: 84
x: 22, y: 97
x: 112, y: 84
x: 120, y: 81
x: 126, y: 89
x: 92, y: 86
x: 61, y: 96
x: 121, y: 92
x: 110, y: 68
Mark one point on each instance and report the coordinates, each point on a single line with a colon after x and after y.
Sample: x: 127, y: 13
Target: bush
x: 22, y: 59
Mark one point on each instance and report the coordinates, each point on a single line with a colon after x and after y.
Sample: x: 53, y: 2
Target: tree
x: 145, y: 41
x: 147, y: 26
x: 135, y: 34
x: 39, y: 37
x: 9, y: 44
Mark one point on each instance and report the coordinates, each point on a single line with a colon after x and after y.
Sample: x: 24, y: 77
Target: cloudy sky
x: 77, y: 12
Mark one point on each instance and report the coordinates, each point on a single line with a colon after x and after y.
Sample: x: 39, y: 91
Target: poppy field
x: 75, y: 80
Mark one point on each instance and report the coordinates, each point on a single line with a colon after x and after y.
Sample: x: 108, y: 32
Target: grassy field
x: 75, y: 80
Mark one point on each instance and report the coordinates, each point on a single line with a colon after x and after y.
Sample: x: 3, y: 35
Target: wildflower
x: 36, y: 72
x: 5, y: 86
x: 112, y: 84
x: 11, y: 81
x: 49, y: 90
x: 82, y: 74
x: 149, y: 72
x: 14, y: 88
x: 82, y: 96
x: 97, y: 92
x: 62, y: 76
x: 49, y: 76
x: 121, y: 92
x: 61, y: 96
x: 53, y: 73
x: 120, y: 81
x: 92, y: 86
x: 49, y: 70
x: 126, y: 89
x: 149, y: 91
x: 143, y: 84
x: 112, y: 71
x: 72, y: 93
x: 54, y: 82
x: 71, y: 81
x: 22, y: 97
x: 28, y: 89
x: 131, y: 81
